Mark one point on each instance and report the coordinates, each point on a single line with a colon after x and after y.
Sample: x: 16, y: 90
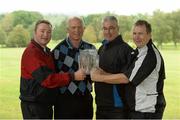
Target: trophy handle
x: 79, y: 66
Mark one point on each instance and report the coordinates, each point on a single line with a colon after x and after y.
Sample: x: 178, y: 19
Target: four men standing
x: 128, y: 84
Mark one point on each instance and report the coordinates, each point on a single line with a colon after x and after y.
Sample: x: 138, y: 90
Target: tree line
x: 16, y: 28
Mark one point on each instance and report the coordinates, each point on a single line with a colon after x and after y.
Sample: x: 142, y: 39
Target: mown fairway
x: 10, y: 73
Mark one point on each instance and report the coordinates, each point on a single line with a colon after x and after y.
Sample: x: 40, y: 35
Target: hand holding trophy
x: 88, y: 59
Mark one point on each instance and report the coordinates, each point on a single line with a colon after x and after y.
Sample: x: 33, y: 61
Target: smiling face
x: 140, y: 35
x: 75, y: 29
x: 110, y: 30
x: 42, y: 34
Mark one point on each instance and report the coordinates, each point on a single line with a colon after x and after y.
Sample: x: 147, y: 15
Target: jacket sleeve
x: 35, y: 68
x: 141, y: 68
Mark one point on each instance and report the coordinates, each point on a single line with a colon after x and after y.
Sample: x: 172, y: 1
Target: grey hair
x: 110, y: 18
x: 75, y: 17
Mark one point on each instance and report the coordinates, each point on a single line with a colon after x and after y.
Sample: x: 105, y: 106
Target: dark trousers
x: 141, y: 115
x: 32, y: 110
x: 74, y: 107
x: 110, y: 113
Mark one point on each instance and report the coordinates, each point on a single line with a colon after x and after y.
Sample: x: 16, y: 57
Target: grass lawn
x: 172, y: 83
x: 9, y: 82
x: 10, y: 73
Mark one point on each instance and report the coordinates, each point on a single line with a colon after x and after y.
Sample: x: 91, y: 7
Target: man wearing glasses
x: 113, y: 58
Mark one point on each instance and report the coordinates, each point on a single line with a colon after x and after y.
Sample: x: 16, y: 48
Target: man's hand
x: 79, y: 75
x: 96, y: 74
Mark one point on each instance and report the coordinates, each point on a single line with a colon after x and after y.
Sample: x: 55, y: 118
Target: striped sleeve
x: 35, y: 68
x: 142, y: 67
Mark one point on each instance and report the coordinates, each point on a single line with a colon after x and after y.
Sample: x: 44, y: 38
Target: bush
x: 19, y: 37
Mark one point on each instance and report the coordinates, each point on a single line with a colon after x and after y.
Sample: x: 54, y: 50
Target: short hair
x: 145, y: 23
x: 74, y: 17
x: 110, y: 18
x: 42, y: 21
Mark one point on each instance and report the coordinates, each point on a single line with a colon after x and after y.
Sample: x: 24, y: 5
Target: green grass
x: 9, y: 82
x: 172, y: 83
x: 10, y: 73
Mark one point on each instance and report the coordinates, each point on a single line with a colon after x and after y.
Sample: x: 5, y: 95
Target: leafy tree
x: 89, y: 34
x: 140, y: 16
x: 7, y: 23
x: 59, y: 31
x: 125, y: 25
x: 161, y: 29
x: 19, y: 37
x: 127, y: 36
x: 25, y: 18
x: 174, y: 22
x: 95, y: 22
x: 1, y: 16
x: 101, y: 37
x: 31, y: 29
x: 55, y: 19
x: 3, y: 36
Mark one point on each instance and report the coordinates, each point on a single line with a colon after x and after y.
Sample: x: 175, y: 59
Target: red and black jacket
x: 38, y: 78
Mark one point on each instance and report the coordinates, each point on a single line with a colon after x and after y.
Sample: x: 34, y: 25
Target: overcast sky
x: 85, y: 7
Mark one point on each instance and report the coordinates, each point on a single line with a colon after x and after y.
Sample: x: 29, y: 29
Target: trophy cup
x: 88, y: 59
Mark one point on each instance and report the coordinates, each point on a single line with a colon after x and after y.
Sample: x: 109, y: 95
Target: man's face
x: 75, y: 29
x: 110, y: 30
x: 42, y: 34
x: 140, y: 36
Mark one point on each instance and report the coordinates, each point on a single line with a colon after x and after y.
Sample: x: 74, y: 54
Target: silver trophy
x: 88, y: 59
